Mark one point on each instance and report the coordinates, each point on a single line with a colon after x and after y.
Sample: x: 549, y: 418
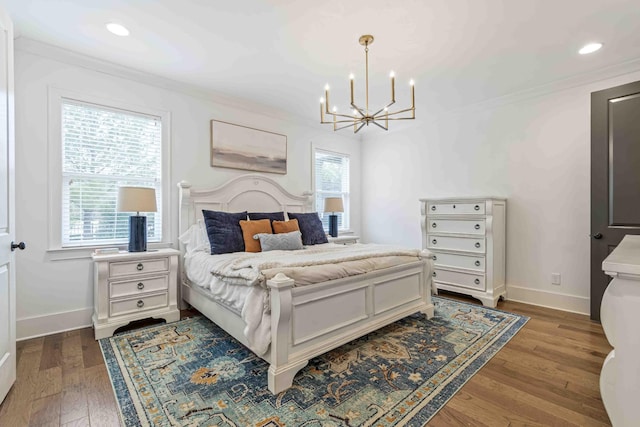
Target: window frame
x: 346, y: 197
x: 55, y: 175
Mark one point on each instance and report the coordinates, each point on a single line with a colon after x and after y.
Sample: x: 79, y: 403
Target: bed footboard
x: 311, y: 320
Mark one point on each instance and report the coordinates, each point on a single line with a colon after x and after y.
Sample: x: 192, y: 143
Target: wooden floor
x: 546, y: 375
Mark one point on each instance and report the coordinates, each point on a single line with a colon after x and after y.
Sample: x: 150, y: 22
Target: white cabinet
x: 467, y: 239
x: 132, y: 286
x: 620, y: 375
x: 347, y: 239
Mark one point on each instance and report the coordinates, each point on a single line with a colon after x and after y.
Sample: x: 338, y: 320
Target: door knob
x: 597, y: 236
x: 15, y: 246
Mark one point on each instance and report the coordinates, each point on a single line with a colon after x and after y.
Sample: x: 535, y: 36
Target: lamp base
x: 137, y: 233
x: 333, y: 225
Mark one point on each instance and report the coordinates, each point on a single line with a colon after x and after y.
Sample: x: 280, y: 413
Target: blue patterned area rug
x: 191, y: 373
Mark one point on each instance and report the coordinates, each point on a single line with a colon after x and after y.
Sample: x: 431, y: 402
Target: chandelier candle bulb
x: 393, y: 89
x: 413, y: 94
x: 351, y: 77
x: 326, y: 96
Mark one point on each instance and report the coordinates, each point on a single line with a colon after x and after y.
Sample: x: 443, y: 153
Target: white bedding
x: 238, y: 280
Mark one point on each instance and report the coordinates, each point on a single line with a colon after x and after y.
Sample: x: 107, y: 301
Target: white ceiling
x: 282, y: 52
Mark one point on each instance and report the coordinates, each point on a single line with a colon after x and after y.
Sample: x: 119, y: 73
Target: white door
x: 7, y: 261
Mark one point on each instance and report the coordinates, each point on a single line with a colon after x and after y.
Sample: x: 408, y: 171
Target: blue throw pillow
x: 310, y: 227
x: 223, y: 228
x: 273, y: 216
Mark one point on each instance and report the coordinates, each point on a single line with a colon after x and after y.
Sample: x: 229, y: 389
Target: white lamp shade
x: 136, y: 199
x: 333, y: 204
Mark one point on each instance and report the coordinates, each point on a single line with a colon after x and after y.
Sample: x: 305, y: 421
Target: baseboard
x: 571, y: 303
x: 37, y: 326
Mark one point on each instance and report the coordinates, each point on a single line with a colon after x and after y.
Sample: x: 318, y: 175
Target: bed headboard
x: 251, y: 192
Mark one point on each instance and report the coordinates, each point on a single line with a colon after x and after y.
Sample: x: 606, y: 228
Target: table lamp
x: 137, y: 199
x: 333, y: 205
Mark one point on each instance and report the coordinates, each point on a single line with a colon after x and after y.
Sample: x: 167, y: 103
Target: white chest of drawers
x: 467, y: 239
x: 132, y: 286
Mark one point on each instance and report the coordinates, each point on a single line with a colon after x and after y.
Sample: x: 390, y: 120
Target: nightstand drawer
x: 456, y: 226
x: 134, y: 305
x: 442, y: 208
x: 458, y: 279
x: 135, y: 287
x: 127, y: 268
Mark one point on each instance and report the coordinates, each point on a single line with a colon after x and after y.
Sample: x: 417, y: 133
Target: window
x: 331, y: 171
x: 102, y: 149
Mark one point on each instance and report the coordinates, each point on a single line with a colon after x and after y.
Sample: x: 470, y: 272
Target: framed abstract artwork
x: 241, y: 147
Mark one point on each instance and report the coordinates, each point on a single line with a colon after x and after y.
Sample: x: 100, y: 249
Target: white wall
x: 535, y: 152
x: 58, y: 295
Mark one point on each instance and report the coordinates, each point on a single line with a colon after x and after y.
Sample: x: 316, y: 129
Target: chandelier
x: 364, y: 116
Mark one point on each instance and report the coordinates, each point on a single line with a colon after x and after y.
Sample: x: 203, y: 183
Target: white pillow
x: 195, y: 239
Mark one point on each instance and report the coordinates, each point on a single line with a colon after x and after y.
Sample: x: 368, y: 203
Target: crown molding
x: 572, y: 82
x: 66, y: 56
x: 101, y: 66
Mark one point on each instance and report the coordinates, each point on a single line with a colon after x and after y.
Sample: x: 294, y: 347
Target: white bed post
x: 281, y: 372
x: 185, y: 218
x: 428, y: 271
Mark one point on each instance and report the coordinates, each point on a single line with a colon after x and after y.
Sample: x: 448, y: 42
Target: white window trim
x: 54, y: 173
x: 315, y: 148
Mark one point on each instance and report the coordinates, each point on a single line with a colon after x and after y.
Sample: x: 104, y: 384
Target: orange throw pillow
x: 285, y: 226
x: 250, y: 229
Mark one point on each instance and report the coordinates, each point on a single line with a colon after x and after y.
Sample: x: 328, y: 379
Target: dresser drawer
x: 136, y: 287
x: 456, y: 226
x: 459, y: 261
x: 469, y: 244
x: 441, y: 208
x: 127, y: 268
x: 134, y: 305
x: 467, y: 280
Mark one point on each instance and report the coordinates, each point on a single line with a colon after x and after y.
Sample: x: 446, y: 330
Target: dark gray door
x: 615, y: 177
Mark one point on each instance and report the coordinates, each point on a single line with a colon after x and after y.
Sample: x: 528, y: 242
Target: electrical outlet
x: 555, y: 278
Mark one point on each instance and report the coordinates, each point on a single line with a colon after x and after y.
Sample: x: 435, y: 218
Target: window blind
x: 102, y: 149
x: 332, y: 180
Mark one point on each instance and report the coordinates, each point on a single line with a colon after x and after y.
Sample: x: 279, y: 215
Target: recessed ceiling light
x: 590, y: 48
x: 117, y: 29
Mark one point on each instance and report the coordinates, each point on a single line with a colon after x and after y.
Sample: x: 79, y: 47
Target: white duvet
x: 238, y: 280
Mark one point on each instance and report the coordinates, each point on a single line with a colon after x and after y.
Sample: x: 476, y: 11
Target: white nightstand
x: 131, y: 286
x: 344, y: 240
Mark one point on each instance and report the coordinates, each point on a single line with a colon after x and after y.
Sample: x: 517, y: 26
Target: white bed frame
x: 311, y: 320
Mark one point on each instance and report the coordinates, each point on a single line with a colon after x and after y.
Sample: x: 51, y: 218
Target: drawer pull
x: 433, y: 208
x: 434, y: 274
x: 435, y: 257
x: 477, y: 281
x: 434, y: 241
x: 434, y: 225
x: 477, y: 227
x: 454, y: 206
x: 141, y: 303
x: 141, y: 286
x: 477, y: 263
x: 478, y: 245
x: 476, y: 207
x: 140, y: 267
